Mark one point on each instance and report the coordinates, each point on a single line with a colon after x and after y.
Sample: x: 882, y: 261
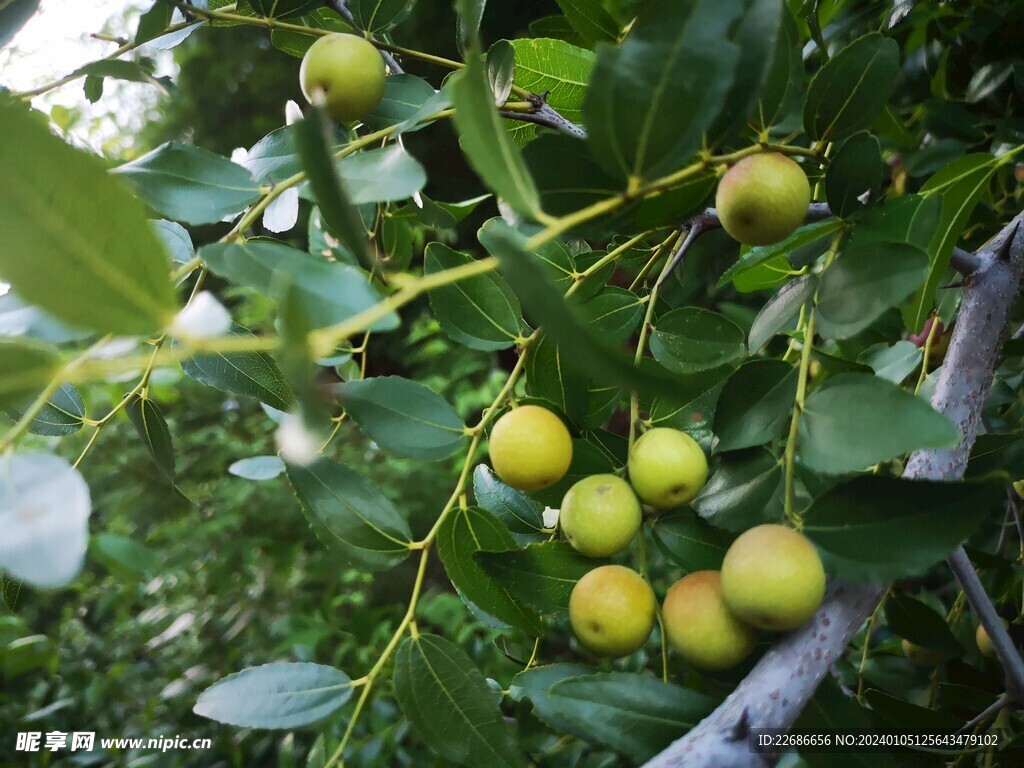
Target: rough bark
x: 785, y: 679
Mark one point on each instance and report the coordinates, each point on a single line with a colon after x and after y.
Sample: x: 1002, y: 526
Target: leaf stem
x: 798, y: 407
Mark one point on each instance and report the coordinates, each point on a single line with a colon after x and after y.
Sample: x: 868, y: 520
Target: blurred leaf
x: 350, y: 515
x: 312, y: 140
x: 541, y: 575
x: 481, y: 312
x: 691, y: 339
x: 651, y: 99
x: 515, y: 509
x: 690, y: 541
x: 742, y: 492
x: 258, y: 467
x: 755, y: 404
x: 551, y: 377
x: 329, y: 292
x: 282, y: 695
x: 501, y: 64
x: 190, y: 184
x: 893, y: 363
x: 960, y: 185
x: 590, y: 20
x: 26, y: 367
x: 247, y: 374
x: 13, y: 14
x: 567, y: 176
x: 176, y: 239
x: 852, y: 88
x: 864, y: 282
x: 375, y: 16
x: 73, y: 240
x: 403, y: 417
x: 149, y: 422
x: 855, y: 170
x: 283, y: 9
x: 450, y: 705
x: 813, y: 237
x: 44, y: 513
x: 122, y: 555
x: 883, y: 528
x: 488, y: 148
x: 470, y: 14
x: 154, y: 21
x: 465, y: 533
x: 854, y: 420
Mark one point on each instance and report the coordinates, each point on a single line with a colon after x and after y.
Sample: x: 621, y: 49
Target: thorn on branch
x: 741, y: 730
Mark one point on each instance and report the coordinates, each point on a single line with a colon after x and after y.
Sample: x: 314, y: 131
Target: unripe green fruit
x: 700, y: 625
x: 530, y: 448
x: 984, y: 642
x: 600, y: 515
x: 922, y: 657
x: 346, y: 73
x: 773, y: 578
x: 612, y: 611
x: 763, y: 199
x: 667, y: 468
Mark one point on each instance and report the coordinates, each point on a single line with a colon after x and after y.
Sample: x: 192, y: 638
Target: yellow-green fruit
x: 667, y: 468
x: 530, y: 448
x: 346, y: 72
x: 763, y: 199
x: 612, y: 610
x: 772, y: 577
x: 700, y: 625
x: 984, y: 641
x: 600, y: 515
x: 922, y: 657
x: 1018, y: 487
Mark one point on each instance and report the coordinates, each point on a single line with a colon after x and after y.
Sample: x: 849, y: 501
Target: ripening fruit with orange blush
x: 762, y: 199
x: 345, y: 74
x: 530, y: 448
x: 700, y: 625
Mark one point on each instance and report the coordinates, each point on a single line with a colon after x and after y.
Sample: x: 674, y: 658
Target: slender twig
x: 697, y: 226
x: 992, y: 709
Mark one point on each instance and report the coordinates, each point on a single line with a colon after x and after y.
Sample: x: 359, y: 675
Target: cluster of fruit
x: 771, y: 577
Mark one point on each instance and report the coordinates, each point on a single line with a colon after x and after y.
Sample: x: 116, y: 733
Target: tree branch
x: 786, y: 677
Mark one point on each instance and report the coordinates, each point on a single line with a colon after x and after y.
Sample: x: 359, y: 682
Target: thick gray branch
x: 785, y: 679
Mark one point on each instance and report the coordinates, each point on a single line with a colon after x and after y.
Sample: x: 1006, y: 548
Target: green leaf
x: 73, y: 240
x: 633, y: 714
x: 149, y: 422
x: 534, y: 684
x: 247, y: 374
x: 403, y: 417
x: 153, y: 22
x: 176, y: 239
x: 564, y: 322
x: 519, y: 513
x: 863, y: 282
x: 13, y: 15
x: 62, y: 414
x: 501, y: 65
x: 920, y: 624
x: 312, y: 140
x: 780, y: 310
x: 651, y: 99
x: 258, y: 468
x: 693, y: 407
x: 854, y: 420
x: 557, y: 68
x: 329, y: 292
x: 283, y: 695
x: 691, y: 339
x: 463, y: 534
x: 743, y: 491
x: 283, y: 9
x: 481, y: 312
x: 786, y: 74
x: 26, y: 367
x: 810, y: 237
x: 856, y: 169
x: 351, y: 515
x: 451, y: 707
x: 404, y: 96
x: 374, y: 16
x: 893, y: 363
x: 884, y: 528
x: 852, y: 88
x: 541, y: 575
x: 755, y: 404
x: 566, y: 174
x: 550, y: 376
x: 590, y: 20
x: 190, y: 184
x: 122, y: 555
x: 690, y: 541
x: 960, y: 185
x: 488, y: 148
x: 908, y: 219
x: 613, y: 313
x: 382, y: 175
x: 470, y: 14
